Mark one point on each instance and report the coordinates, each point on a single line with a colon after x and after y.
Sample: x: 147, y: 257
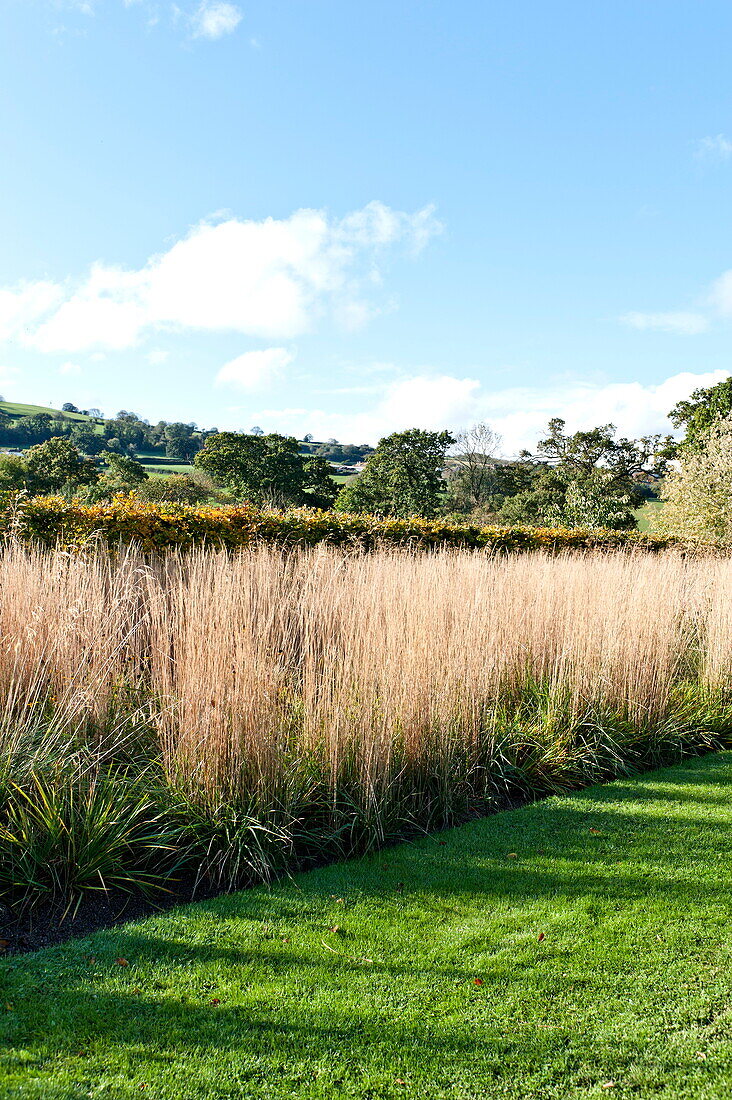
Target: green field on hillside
x: 17, y: 411
x: 576, y: 948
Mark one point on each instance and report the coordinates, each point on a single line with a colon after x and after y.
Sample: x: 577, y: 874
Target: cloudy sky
x: 348, y: 219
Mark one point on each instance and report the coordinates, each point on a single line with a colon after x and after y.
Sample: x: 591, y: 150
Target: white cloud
x: 21, y: 307
x: 157, y: 356
x: 424, y: 401
x: 519, y: 414
x: 254, y: 369
x: 717, y: 147
x: 211, y: 19
x: 107, y: 311
x: 272, y: 279
x: 682, y: 322
x: 215, y: 18
x: 69, y: 368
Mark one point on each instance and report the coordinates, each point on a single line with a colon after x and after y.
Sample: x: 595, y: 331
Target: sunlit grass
x: 577, y: 948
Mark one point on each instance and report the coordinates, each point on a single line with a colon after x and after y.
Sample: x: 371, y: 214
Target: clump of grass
x: 65, y: 833
x: 240, y: 714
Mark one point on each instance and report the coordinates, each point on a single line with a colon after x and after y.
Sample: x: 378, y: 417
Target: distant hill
x: 16, y: 411
x: 165, y: 447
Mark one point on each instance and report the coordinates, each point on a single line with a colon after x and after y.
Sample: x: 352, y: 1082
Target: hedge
x: 54, y: 520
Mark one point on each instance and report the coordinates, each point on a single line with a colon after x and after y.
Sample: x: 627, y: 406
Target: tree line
x: 128, y: 433
x: 590, y: 478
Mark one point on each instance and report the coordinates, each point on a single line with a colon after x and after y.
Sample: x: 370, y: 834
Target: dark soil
x: 51, y: 924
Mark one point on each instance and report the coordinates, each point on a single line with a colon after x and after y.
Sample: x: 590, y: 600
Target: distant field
x: 647, y: 516
x: 167, y: 468
x: 16, y: 410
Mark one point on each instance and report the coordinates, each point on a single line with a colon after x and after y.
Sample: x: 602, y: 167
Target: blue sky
x: 347, y: 219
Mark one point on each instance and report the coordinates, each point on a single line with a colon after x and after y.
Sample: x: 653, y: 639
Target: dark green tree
x: 36, y: 428
x: 86, y: 440
x: 181, y: 441
x: 267, y: 469
x: 403, y: 477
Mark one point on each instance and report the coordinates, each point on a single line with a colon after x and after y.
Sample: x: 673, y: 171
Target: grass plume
x: 275, y: 707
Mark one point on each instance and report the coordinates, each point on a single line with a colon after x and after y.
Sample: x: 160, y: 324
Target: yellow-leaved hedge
x: 55, y: 520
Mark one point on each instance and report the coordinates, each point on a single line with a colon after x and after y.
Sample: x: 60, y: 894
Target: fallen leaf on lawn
x: 513, y: 855
x: 597, y: 833
x: 609, y: 1085
x: 477, y: 981
x: 399, y: 1081
x: 335, y: 928
x: 541, y: 937
x: 121, y: 962
x: 214, y: 1001
x: 4, y: 945
x: 8, y: 1007
x: 701, y: 1055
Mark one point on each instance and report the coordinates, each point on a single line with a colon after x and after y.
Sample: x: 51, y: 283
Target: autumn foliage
x: 157, y: 526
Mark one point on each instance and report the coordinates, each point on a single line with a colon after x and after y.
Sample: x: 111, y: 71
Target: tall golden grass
x: 357, y: 696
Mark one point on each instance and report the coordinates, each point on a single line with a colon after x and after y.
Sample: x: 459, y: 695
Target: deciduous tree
x: 267, y: 469
x: 403, y: 477
x: 57, y: 464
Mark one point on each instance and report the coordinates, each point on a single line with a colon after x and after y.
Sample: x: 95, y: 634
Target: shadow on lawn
x: 584, y: 847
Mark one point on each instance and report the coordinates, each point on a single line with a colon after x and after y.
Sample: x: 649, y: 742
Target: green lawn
x: 580, y: 947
